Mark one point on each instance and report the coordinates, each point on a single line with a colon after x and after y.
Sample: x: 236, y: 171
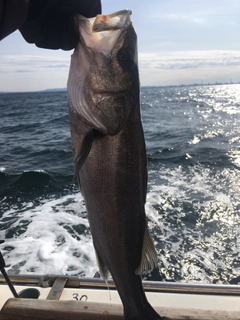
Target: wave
x: 210, y: 135
x: 34, y: 179
x: 206, y: 156
x: 33, y: 185
x: 192, y: 138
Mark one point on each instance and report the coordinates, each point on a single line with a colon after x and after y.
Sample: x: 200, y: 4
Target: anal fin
x: 149, y: 255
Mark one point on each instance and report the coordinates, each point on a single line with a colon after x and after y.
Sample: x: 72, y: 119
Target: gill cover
x: 98, y: 36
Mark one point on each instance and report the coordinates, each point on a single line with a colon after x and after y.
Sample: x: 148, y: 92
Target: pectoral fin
x: 82, y: 153
x: 149, y: 255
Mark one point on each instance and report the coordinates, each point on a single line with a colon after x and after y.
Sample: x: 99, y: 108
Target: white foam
x: 191, y: 215
x: 50, y: 244
x: 209, y: 134
x: 194, y: 220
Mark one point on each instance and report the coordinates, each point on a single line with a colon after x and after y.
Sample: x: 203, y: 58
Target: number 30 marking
x: 82, y: 298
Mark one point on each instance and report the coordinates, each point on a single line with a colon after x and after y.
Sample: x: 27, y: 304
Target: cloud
x: 22, y: 71
x: 33, y: 72
x: 185, y: 67
x: 28, y: 63
x: 28, y: 73
x: 189, y: 59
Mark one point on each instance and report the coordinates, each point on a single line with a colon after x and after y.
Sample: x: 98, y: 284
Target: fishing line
x: 109, y: 293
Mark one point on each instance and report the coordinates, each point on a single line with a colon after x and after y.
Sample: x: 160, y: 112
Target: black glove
x: 51, y: 24
x: 12, y: 15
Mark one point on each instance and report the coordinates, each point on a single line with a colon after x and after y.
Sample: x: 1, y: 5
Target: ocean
x: 193, y: 202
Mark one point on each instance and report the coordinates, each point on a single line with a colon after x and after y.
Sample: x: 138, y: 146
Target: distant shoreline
x: 166, y: 86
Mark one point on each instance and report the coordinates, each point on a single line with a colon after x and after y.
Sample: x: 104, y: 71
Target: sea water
x: 193, y: 201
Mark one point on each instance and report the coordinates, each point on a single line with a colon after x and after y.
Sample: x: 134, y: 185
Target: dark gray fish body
x: 111, y: 162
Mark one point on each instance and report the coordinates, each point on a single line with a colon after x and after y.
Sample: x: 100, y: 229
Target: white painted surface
x: 169, y: 300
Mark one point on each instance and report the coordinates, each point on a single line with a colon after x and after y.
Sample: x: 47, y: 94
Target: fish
x: 110, y: 154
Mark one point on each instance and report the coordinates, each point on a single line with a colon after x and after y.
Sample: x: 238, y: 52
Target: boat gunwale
x: 149, y: 286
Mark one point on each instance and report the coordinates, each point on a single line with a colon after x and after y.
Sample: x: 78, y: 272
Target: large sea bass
x: 110, y: 156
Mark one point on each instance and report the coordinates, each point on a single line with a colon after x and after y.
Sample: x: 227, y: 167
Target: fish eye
x: 126, y: 59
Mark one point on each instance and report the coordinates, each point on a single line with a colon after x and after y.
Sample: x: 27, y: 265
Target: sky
x: 179, y: 42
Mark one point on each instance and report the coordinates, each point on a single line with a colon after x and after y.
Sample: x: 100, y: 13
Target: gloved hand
x: 12, y: 15
x: 51, y: 24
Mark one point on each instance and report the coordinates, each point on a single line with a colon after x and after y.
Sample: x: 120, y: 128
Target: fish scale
x: 111, y: 164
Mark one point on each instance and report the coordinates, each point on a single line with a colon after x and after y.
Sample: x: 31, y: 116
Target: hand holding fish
x: 47, y: 23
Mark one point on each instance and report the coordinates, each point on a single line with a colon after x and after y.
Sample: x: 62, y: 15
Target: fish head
x: 103, y: 84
